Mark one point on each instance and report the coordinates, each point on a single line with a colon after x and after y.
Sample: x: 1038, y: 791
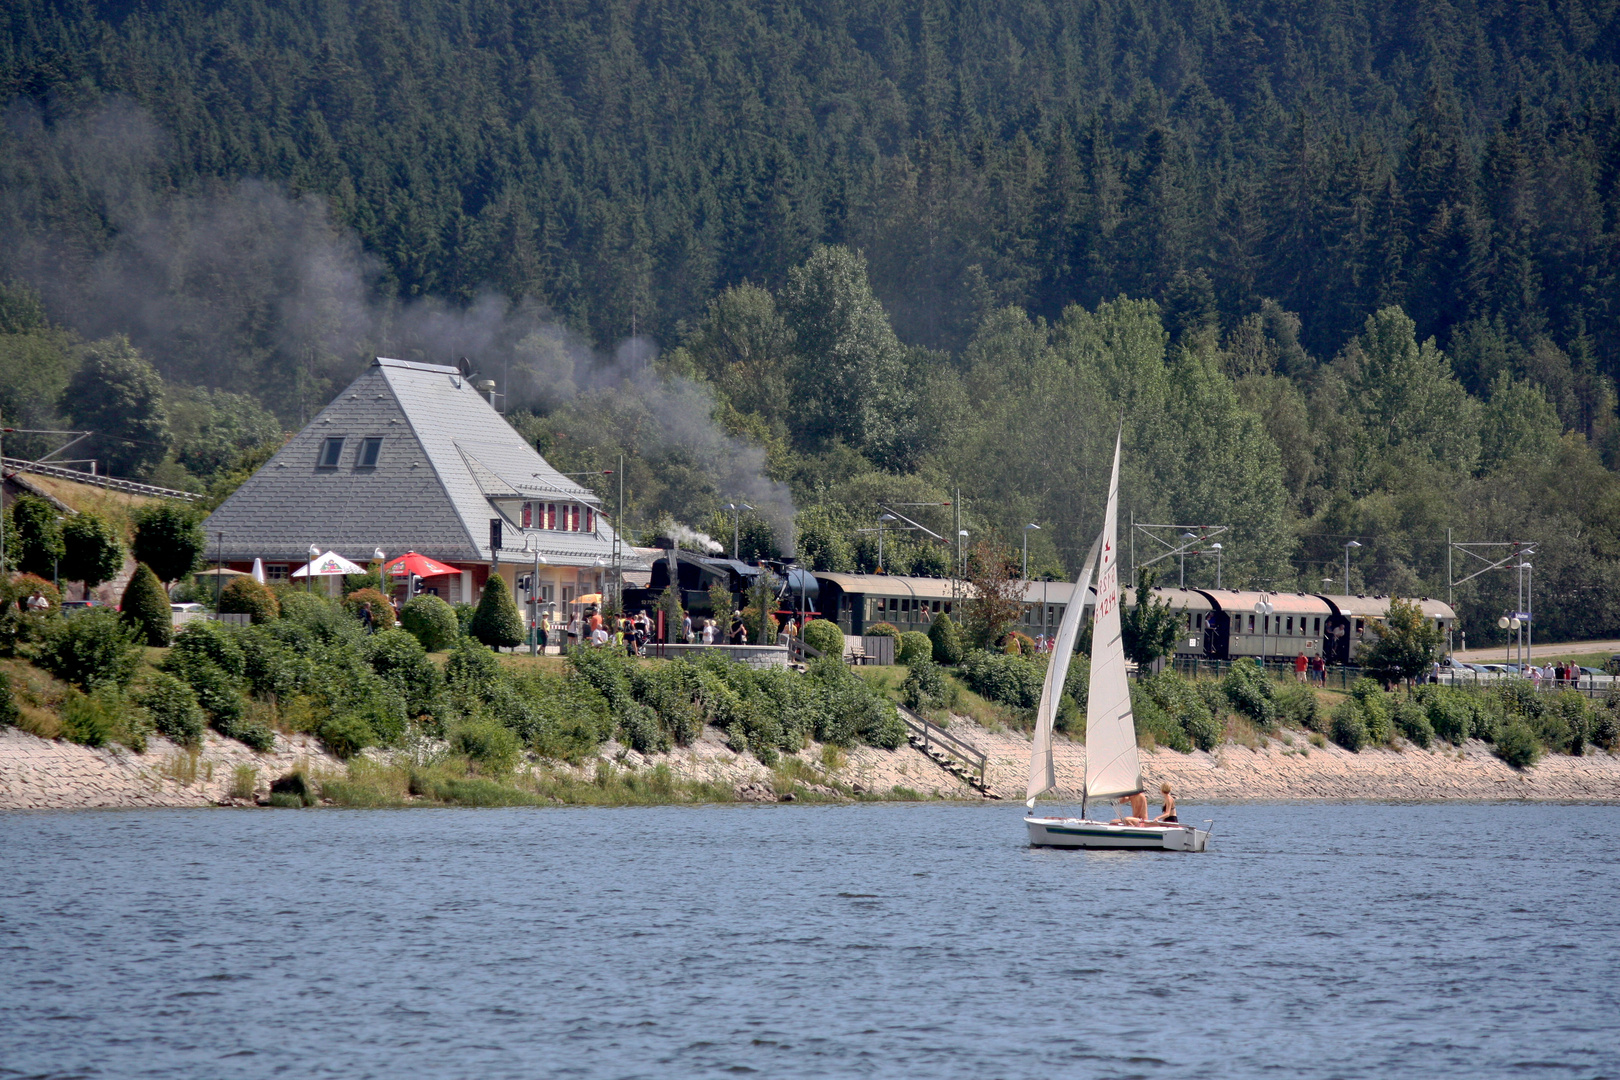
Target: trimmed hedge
x: 146, y: 608
x: 496, y: 623
x: 825, y: 636
x: 947, y: 640
x: 245, y: 596
x: 431, y: 621
x: 915, y: 648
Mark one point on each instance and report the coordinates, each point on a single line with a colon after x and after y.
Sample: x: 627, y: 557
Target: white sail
x: 1112, y: 768
x: 1042, y: 770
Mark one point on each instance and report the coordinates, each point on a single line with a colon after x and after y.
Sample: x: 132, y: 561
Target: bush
x: 1566, y: 725
x: 1605, y: 728
x: 92, y: 719
x: 399, y: 659
x: 382, y: 609
x: 915, y: 648
x: 1412, y: 722
x: 882, y: 629
x: 824, y: 635
x: 472, y: 667
x: 146, y: 608
x: 1449, y: 715
x: 1184, y: 709
x: 1373, y: 706
x: 926, y: 687
x: 8, y: 703
x: 1152, y: 719
x: 1517, y: 745
x: 1250, y: 693
x: 205, y: 639
x: 431, y: 621
x: 1006, y: 680
x: 174, y: 710
x: 19, y: 587
x: 1019, y: 644
x: 345, y: 736
x: 494, y: 747
x: 1349, y: 728
x: 946, y: 639
x: 496, y: 623
x: 244, y: 596
x: 91, y: 650
x: 1298, y: 707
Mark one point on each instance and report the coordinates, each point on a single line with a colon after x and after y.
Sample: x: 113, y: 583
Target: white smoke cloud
x: 692, y: 539
x: 243, y: 287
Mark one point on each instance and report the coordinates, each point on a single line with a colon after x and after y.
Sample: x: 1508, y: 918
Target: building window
x: 528, y: 515
x: 369, y: 449
x: 331, y: 451
x: 275, y: 571
x: 590, y: 520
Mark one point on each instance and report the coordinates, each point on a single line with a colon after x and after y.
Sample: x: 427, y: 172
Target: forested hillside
x: 1351, y: 270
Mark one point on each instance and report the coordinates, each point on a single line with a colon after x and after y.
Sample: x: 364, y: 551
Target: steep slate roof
x: 445, y: 455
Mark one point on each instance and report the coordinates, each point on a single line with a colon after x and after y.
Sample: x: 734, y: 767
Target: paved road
x: 1495, y: 653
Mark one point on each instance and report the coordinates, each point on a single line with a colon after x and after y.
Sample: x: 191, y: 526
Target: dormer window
x: 369, y: 449
x: 559, y: 517
x: 331, y: 452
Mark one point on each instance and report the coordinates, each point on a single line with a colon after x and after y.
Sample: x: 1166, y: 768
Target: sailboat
x: 1113, y: 769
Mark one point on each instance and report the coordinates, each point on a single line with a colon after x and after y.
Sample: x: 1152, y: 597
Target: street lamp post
x: 1264, y: 608
x: 1347, y: 547
x: 1217, y: 549
x: 736, y: 525
x: 1186, y: 538
x: 1529, y: 611
x: 1510, y: 624
x: 309, y: 571
x: 881, y: 520
x: 1027, y: 528
x: 961, y: 552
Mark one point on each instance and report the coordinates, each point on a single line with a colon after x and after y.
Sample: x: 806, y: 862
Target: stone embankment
x: 43, y: 774
x: 1298, y: 770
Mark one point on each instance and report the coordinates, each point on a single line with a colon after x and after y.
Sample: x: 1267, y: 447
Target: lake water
x: 792, y: 941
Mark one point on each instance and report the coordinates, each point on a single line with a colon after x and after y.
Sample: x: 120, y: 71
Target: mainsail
x: 1042, y: 770
x: 1112, y: 768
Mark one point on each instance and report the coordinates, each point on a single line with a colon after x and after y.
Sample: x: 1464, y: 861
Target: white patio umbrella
x: 258, y: 571
x: 329, y: 565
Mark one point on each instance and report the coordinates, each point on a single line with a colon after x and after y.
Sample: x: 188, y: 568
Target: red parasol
x: 420, y: 565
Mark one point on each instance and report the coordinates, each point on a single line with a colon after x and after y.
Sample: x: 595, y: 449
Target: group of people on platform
x: 633, y: 632
x: 1310, y: 669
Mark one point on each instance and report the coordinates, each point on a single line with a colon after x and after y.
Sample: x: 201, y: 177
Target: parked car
x: 73, y: 607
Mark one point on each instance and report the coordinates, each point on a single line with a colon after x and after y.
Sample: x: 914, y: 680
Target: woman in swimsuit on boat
x: 1169, y: 815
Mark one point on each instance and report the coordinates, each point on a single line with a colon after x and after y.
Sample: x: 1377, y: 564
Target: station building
x: 412, y: 457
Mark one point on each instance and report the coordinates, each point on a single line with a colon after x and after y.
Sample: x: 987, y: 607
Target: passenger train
x: 1216, y: 624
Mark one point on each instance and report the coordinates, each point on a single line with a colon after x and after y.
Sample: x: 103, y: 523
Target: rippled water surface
x: 871, y: 940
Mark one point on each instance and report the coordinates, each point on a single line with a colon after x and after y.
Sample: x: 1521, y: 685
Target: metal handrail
x: 112, y: 483
x: 931, y: 734
x: 799, y: 651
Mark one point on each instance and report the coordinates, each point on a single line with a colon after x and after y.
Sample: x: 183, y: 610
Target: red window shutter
x: 528, y: 515
x: 590, y: 520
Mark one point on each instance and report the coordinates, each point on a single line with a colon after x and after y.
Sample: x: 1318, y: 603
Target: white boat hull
x: 1079, y: 833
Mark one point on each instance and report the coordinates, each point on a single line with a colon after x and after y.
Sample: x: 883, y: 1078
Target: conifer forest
x: 1344, y: 270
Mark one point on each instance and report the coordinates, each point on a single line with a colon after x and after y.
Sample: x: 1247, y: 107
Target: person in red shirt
x: 1300, y: 664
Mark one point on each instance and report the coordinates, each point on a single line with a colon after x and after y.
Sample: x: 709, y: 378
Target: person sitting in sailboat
x: 1139, y: 810
x: 1169, y: 815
